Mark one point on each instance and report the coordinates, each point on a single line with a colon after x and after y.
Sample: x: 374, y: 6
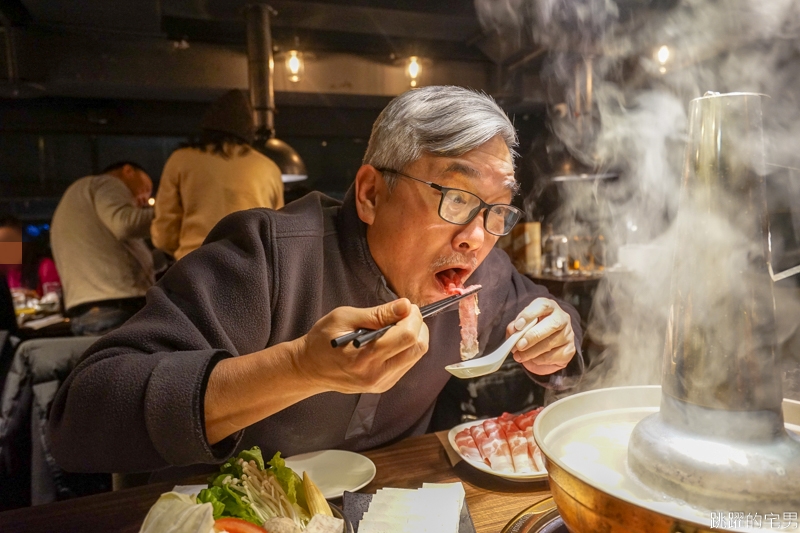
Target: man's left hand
x: 549, y: 345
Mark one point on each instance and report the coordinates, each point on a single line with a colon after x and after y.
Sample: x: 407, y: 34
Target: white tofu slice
x: 321, y: 523
x: 436, y: 508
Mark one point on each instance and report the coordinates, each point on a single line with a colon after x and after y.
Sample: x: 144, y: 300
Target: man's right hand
x: 235, y: 396
x: 376, y: 366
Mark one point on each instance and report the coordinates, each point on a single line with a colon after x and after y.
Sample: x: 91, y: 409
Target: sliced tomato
x: 237, y: 525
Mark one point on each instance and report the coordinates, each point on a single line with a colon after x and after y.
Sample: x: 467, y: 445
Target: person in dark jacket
x: 233, y: 348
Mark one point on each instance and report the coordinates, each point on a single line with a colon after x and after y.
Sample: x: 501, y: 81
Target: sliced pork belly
x: 468, y: 318
x: 533, y: 449
x: 497, y: 451
x: 520, y: 453
x: 506, y: 421
x: 467, y: 446
x: 525, y: 420
x: 481, y: 440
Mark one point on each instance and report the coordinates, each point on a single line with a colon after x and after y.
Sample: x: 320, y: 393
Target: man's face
x: 139, y: 183
x: 417, y: 251
x: 144, y: 189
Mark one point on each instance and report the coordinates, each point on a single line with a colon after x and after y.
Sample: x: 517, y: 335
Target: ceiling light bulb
x: 294, y: 62
x: 413, y: 68
x: 663, y: 54
x: 151, y: 201
x: 294, y: 65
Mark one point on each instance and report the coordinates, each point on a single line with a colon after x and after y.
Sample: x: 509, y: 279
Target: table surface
x: 58, y: 329
x: 492, y: 501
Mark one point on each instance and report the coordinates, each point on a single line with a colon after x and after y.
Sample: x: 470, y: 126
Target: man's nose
x: 472, y: 235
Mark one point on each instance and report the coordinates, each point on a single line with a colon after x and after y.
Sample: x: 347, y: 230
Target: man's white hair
x: 443, y: 120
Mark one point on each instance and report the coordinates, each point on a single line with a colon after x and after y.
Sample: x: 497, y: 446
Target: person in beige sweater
x: 98, y: 237
x: 213, y: 176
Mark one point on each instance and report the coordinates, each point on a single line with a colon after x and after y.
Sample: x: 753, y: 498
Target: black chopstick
x: 344, y: 339
x: 362, y: 336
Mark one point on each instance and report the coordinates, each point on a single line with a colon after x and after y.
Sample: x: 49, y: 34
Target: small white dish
x: 334, y: 471
x: 483, y: 467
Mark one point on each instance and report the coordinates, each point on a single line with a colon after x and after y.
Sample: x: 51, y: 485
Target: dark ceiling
x: 442, y: 29
x: 191, y: 50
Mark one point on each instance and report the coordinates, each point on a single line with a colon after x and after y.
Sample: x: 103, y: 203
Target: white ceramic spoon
x: 491, y: 362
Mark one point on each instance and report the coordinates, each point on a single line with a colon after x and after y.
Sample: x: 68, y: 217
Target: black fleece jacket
x: 135, y: 401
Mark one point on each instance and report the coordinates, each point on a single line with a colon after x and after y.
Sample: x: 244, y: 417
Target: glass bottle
x: 548, y: 250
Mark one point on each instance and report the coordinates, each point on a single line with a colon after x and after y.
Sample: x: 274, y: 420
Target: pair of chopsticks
x: 362, y: 336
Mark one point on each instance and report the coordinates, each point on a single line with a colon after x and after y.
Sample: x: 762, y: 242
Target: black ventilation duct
x: 12, y: 86
x: 262, y: 94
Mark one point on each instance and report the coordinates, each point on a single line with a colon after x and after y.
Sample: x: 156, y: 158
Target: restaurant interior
x: 659, y: 181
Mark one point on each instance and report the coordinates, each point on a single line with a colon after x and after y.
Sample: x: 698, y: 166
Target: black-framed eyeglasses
x: 460, y: 207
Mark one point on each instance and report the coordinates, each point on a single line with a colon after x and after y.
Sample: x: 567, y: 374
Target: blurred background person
x: 37, y: 273
x: 212, y: 176
x: 98, y: 237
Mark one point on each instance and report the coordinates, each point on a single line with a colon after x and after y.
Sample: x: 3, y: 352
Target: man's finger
x: 381, y: 315
x: 404, y: 360
x: 546, y: 327
x: 549, y: 362
x: 534, y: 350
x: 404, y: 335
x: 536, y: 309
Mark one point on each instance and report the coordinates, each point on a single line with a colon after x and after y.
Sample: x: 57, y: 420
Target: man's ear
x: 128, y: 171
x: 369, y: 183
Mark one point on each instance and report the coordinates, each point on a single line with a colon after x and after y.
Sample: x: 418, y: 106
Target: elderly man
x: 234, y: 346
x: 97, y: 237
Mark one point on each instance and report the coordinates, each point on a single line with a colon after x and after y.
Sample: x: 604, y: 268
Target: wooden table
x: 492, y: 501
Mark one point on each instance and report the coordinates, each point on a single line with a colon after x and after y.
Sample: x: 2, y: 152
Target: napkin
x: 355, y: 504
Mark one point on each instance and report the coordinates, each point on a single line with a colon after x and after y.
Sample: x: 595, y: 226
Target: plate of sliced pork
x: 502, y: 446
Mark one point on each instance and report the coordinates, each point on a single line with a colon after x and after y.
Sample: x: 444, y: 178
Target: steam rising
x: 631, y: 117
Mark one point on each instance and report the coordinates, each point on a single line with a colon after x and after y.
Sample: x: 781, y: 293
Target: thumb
x: 391, y: 312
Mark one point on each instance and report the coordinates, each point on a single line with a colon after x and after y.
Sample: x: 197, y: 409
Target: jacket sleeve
x: 135, y: 400
x: 166, y: 227
x: 118, y: 212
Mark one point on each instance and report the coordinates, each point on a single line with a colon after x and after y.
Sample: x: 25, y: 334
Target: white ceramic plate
x: 483, y: 467
x: 334, y: 471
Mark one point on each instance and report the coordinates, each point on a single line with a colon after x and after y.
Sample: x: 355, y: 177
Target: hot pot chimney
x: 719, y: 439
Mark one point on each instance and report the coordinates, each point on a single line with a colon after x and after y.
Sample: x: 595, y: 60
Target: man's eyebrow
x: 461, y: 168
x: 510, y: 183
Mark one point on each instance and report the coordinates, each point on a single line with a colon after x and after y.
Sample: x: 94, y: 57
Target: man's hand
x: 243, y: 390
x: 143, y: 199
x: 549, y: 345
x: 376, y: 366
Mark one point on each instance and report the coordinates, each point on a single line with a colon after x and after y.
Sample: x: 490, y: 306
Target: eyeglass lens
x: 459, y: 207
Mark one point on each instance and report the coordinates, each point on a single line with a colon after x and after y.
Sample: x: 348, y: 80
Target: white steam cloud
x: 632, y: 118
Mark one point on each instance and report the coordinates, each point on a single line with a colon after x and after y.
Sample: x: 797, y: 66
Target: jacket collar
x: 355, y: 249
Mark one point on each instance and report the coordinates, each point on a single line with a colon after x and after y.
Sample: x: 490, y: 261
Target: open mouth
x: 452, y: 277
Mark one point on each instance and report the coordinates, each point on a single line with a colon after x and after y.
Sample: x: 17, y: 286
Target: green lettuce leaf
x: 288, y: 479
x: 253, y: 454
x: 212, y: 496
x: 227, y: 503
